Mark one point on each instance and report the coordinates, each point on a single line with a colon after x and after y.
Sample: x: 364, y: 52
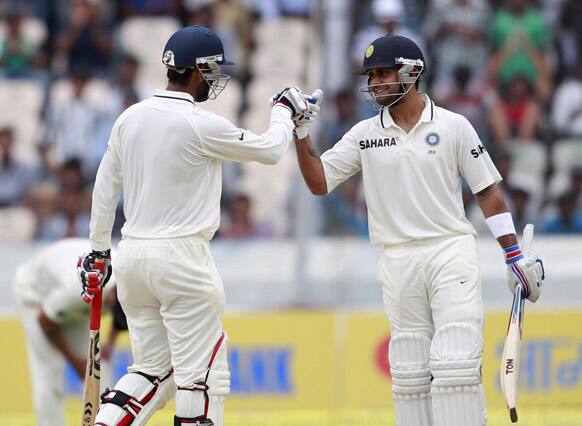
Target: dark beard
x: 203, y: 92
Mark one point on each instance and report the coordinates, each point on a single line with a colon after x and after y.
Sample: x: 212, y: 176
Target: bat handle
x: 528, y: 233
x: 97, y: 302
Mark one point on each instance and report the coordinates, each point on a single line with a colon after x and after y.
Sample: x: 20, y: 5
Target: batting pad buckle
x: 121, y: 399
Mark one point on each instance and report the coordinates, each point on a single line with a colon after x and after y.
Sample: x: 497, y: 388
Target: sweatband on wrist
x: 500, y: 224
x: 512, y: 254
x: 301, y: 132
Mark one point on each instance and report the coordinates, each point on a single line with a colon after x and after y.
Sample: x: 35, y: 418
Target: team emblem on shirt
x: 433, y: 139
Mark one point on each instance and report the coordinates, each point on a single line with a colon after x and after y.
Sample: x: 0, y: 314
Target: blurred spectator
x: 521, y: 207
x: 241, y: 222
x: 85, y: 43
x: 576, y: 185
x: 516, y: 113
x: 345, y: 210
x: 15, y: 176
x: 568, y: 219
x: 570, y: 35
x: 519, y: 38
x: 346, y: 116
x: 129, y: 8
x: 465, y: 99
x: 274, y: 9
x: 70, y: 175
x: 456, y: 30
x: 567, y: 106
x: 18, y: 55
x: 72, y: 130
x: 70, y: 219
x: 233, y: 22
x: 388, y: 17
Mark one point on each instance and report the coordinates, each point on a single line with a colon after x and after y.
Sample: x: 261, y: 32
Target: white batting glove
x: 292, y: 99
x: 527, y: 272
x: 309, y: 116
x: 93, y: 275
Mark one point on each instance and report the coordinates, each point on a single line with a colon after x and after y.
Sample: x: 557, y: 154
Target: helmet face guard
x: 216, y: 81
x: 407, y: 77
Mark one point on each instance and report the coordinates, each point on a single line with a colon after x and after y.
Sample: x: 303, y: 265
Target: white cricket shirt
x: 165, y: 153
x: 412, y: 182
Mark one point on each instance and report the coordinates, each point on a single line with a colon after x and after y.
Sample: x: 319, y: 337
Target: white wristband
x: 500, y: 224
x: 301, y: 132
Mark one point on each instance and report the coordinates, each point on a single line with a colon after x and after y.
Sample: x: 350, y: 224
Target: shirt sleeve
x: 223, y: 140
x: 474, y: 162
x: 106, y: 192
x: 65, y: 305
x: 341, y: 162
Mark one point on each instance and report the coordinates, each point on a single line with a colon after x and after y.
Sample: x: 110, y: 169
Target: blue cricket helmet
x: 391, y: 51
x: 193, y: 46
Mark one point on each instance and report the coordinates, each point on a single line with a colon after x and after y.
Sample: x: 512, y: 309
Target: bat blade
x: 93, y: 371
x: 509, y: 371
x: 510, y: 360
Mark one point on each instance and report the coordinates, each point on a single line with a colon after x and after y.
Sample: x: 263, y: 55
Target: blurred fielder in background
x: 56, y: 323
x: 165, y: 153
x: 413, y: 156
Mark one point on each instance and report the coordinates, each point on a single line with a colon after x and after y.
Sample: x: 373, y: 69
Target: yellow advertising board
x: 330, y: 360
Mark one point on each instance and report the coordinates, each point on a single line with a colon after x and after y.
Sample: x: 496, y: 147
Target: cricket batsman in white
x: 56, y: 324
x: 165, y: 154
x: 413, y: 156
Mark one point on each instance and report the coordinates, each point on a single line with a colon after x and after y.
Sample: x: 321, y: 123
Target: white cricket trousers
x: 432, y: 294
x: 173, y: 298
x: 430, y: 283
x: 47, y: 364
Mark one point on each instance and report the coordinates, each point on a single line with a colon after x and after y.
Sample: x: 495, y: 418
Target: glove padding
x: 292, y: 99
x: 529, y: 273
x: 94, y: 271
x: 309, y: 116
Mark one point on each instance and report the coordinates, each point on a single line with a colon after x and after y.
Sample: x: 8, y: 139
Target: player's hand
x: 528, y: 272
x: 292, y: 99
x: 94, y: 271
x: 309, y: 116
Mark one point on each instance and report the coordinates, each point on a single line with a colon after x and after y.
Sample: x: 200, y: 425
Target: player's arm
x: 225, y: 141
x: 311, y: 166
x: 491, y: 202
x: 106, y: 192
x: 54, y: 333
x: 477, y: 168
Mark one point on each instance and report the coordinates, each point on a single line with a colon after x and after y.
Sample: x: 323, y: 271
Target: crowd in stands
x: 68, y: 68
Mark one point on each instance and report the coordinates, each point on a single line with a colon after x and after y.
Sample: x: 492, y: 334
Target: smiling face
x: 385, y: 86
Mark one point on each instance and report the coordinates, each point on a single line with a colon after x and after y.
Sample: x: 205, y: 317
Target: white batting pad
x: 220, y: 385
x: 455, y: 362
x: 409, y: 354
x: 138, y: 387
x: 191, y: 404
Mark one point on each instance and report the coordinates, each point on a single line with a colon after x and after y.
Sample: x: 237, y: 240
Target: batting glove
x: 292, y: 99
x: 94, y: 271
x: 527, y: 272
x: 309, y: 116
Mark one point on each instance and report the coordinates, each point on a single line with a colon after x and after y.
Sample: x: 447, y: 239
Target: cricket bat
x: 93, y: 372
x: 509, y: 371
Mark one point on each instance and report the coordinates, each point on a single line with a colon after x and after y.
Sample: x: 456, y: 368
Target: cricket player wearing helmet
x: 413, y: 156
x: 165, y: 153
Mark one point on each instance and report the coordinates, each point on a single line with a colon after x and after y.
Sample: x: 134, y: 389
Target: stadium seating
x: 145, y: 37
x: 22, y: 102
x: 566, y: 155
